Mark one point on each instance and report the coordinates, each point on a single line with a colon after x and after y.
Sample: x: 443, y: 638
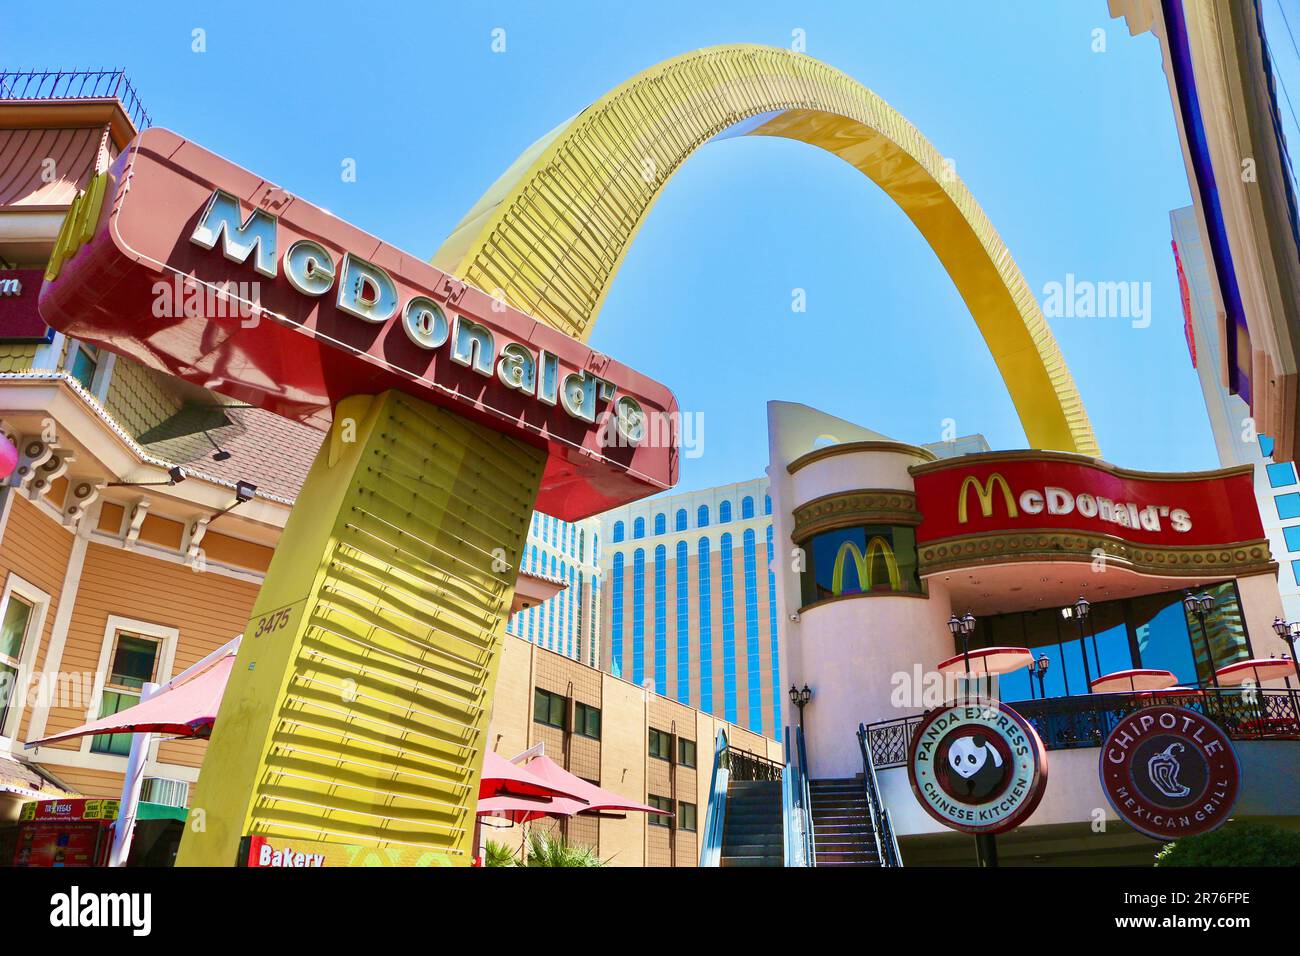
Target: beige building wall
x: 619, y: 761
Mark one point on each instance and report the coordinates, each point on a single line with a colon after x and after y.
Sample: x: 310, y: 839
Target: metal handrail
x: 789, y: 810
x: 797, y: 806
x: 1068, y: 723
x: 805, y: 797
x: 75, y: 85
x: 715, y: 815
x: 882, y: 824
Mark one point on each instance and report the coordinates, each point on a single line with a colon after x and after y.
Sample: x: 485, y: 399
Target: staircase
x: 842, y: 834
x: 753, y: 832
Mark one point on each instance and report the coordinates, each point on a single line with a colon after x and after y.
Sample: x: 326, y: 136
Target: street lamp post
x: 1040, y: 667
x: 1289, y: 633
x: 1200, y: 605
x: 963, y: 627
x: 800, y: 699
x: 1079, y: 612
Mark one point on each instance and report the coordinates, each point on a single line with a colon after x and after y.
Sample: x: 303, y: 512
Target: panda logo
x: 977, y: 764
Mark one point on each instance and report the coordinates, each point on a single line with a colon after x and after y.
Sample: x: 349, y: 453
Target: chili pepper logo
x: 1163, y: 770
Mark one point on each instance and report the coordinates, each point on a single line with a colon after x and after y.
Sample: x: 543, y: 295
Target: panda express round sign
x: 1169, y: 772
x: 979, y: 768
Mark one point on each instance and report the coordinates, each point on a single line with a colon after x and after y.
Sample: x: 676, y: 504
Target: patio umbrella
x: 591, y: 798
x: 986, y: 661
x: 1256, y: 669
x: 188, y: 709
x: 501, y: 778
x: 1134, y: 679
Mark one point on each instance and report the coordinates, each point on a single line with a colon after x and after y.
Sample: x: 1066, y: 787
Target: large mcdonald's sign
x: 863, y: 563
x: 1040, y: 490
x: 984, y: 492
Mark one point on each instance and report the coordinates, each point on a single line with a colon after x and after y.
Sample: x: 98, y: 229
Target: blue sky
x: 1072, y: 153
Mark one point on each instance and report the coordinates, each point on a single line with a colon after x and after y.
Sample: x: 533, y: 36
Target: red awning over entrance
x: 186, y: 710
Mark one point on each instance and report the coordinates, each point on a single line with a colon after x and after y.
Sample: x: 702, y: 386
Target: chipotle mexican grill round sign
x: 1169, y: 772
x: 977, y: 767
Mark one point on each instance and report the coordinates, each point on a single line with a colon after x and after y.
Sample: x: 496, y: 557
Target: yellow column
x: 355, y: 720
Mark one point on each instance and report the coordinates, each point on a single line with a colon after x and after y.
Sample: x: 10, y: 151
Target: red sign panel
x: 1169, y: 772
x: 980, y: 494
x: 206, y: 271
x: 20, y: 319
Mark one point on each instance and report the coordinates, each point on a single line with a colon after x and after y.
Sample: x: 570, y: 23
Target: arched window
x: 706, y: 628
x: 615, y: 617
x: 661, y: 523
x: 638, y: 616
x: 724, y: 512
x: 747, y: 507
x: 679, y: 520
x: 767, y: 504
x: 618, y: 531
x: 638, y: 528
x: 661, y: 620
x: 702, y: 517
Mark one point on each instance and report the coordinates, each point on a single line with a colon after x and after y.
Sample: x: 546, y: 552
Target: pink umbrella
x: 184, y: 710
x: 501, y: 778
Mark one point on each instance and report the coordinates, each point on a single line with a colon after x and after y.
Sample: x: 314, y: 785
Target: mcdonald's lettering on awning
x: 1021, y: 491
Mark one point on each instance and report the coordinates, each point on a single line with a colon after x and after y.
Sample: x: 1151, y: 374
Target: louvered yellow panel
x: 551, y: 233
x: 357, y: 713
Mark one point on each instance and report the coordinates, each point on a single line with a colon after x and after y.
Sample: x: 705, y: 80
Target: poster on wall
x: 977, y: 767
x: 1170, y: 772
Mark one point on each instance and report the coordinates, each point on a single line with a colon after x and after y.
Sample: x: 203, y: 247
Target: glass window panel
x: 1292, y: 536
x: 84, y: 363
x: 8, y: 682
x: 1163, y: 639
x: 1288, y: 506
x: 1281, y: 474
x: 133, y: 661
x: 114, y: 702
x: 18, y: 614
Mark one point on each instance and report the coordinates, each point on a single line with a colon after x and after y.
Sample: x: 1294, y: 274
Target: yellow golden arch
x: 863, y: 564
x: 550, y: 234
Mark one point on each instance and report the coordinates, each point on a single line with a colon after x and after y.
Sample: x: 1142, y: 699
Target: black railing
x: 744, y: 765
x: 75, y: 85
x: 882, y: 824
x: 1066, y: 723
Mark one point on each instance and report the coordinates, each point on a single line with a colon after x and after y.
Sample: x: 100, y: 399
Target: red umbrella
x: 591, y: 798
x: 502, y: 778
x: 184, y: 710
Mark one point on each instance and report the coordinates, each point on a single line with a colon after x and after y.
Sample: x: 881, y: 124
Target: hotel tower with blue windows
x: 690, y: 613
x: 568, y: 554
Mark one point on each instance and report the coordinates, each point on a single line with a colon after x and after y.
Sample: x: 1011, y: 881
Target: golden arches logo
x: 984, y: 493
x: 863, y: 563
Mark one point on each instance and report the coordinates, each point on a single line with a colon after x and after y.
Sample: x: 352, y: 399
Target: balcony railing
x: 747, y: 766
x: 1067, y: 723
x: 75, y: 85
